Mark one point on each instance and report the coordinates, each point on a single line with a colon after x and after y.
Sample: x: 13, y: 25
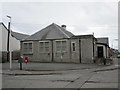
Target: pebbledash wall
x: 84, y: 50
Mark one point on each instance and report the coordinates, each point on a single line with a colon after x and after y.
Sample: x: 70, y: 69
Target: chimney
x: 63, y: 26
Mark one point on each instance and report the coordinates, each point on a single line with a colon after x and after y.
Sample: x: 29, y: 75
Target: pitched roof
x: 52, y: 31
x: 103, y: 40
x: 19, y: 36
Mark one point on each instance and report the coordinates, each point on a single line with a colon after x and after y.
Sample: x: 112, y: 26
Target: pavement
x: 52, y: 68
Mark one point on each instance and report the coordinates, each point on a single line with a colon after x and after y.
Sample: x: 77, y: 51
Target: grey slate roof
x: 52, y: 31
x: 19, y: 36
x: 103, y: 40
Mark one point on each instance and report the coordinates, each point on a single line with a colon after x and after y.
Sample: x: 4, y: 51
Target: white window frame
x: 61, y: 46
x: 44, y: 47
x: 27, y: 43
x: 72, y: 46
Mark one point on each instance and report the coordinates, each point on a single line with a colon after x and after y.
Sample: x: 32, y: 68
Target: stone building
x: 55, y: 44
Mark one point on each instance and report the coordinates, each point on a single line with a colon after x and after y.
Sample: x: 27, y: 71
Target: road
x: 90, y: 77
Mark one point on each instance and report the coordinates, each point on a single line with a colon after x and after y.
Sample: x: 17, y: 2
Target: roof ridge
x: 39, y: 31
x: 46, y: 33
x: 61, y: 30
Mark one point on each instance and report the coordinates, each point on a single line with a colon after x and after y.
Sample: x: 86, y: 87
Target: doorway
x: 100, y: 51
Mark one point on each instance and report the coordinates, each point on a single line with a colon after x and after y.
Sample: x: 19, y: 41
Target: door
x: 100, y: 52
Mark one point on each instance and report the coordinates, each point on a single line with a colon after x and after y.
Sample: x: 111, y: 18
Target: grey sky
x: 80, y: 17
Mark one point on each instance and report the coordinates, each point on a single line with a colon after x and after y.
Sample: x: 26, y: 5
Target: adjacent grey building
x: 55, y: 44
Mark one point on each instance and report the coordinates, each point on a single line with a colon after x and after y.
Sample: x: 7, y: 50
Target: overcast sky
x: 81, y: 18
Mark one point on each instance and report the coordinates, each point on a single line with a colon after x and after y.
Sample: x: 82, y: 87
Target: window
x: 64, y: 45
x: 58, y: 46
x: 28, y: 47
x: 41, y: 46
x: 25, y: 47
x: 73, y: 47
x: 44, y: 46
x: 61, y: 46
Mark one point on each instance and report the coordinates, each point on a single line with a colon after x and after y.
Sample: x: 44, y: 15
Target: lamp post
x: 9, y: 55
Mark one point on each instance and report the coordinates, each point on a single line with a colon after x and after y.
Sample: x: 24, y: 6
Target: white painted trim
x: 28, y: 42
x: 44, y: 41
x: 61, y: 41
x: 32, y: 46
x: 72, y: 46
x: 104, y: 50
x: 44, y: 47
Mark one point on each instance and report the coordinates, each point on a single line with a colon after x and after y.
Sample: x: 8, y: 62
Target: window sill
x: 30, y: 53
x: 61, y: 52
x: 44, y: 52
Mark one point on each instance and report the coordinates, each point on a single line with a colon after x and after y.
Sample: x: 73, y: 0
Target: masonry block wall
x: 75, y: 54
x: 86, y: 50
x: 75, y: 51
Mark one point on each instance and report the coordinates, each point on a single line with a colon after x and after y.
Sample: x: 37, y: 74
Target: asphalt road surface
x: 65, y: 78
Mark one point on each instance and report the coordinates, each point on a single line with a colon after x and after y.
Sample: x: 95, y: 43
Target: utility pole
x: 9, y: 55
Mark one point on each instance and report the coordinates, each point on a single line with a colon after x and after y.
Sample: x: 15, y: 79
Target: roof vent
x: 63, y: 26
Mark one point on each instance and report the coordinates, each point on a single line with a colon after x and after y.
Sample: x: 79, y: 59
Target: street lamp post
x: 9, y: 55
